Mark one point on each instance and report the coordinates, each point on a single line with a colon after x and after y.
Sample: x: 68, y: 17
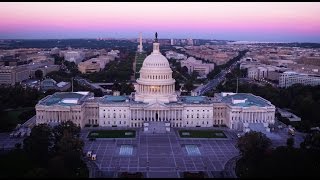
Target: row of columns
x: 156, y: 115
x: 156, y: 76
x: 159, y: 89
x: 59, y: 115
x: 253, y: 116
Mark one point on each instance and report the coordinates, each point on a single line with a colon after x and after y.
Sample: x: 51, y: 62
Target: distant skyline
x: 240, y: 21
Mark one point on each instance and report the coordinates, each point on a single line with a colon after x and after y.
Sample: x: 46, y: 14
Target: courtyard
x: 162, y: 155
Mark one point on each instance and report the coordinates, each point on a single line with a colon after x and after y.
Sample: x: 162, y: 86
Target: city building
x: 196, y: 65
x: 155, y: 106
x: 89, y: 66
x: 13, y: 74
x: 175, y: 55
x: 114, y: 53
x: 290, y: 78
x: 74, y: 56
x: 50, y: 84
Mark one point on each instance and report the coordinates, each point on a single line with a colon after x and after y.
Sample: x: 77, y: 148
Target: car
x: 239, y: 135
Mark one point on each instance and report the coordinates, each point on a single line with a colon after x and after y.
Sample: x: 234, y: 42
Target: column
x: 151, y: 114
x: 165, y: 115
x: 175, y: 114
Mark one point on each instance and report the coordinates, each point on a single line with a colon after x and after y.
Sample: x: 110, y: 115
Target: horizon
x: 245, y: 21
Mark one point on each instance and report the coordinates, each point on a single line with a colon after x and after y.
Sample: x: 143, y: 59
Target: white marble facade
x: 155, y: 100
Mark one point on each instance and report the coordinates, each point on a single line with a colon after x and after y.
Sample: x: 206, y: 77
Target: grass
x: 10, y: 118
x: 13, y: 115
x: 112, y: 134
x: 202, y: 134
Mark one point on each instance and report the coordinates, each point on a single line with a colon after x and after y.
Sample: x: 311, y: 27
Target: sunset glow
x: 234, y: 21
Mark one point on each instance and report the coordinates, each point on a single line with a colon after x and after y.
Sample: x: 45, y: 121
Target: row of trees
x: 123, y: 87
x: 47, y: 152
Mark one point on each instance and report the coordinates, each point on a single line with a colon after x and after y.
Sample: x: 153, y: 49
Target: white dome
x: 156, y: 60
x: 155, y: 82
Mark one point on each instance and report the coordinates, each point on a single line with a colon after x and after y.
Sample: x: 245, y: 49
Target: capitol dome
x: 156, y: 60
x: 155, y: 82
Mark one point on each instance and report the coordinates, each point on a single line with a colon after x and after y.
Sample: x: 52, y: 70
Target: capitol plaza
x: 158, y: 113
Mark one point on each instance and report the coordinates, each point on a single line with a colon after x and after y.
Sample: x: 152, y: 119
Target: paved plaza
x: 162, y: 155
x: 7, y: 142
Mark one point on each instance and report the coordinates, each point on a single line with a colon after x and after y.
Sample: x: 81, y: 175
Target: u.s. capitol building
x: 155, y: 104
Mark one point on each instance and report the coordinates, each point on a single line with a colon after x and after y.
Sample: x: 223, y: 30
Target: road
x: 212, y: 84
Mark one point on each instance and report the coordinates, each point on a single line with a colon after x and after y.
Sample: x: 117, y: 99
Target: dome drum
x: 155, y: 82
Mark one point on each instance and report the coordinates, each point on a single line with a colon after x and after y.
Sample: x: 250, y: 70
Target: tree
x: 312, y: 140
x: 38, y: 74
x: 189, y: 86
x: 98, y: 92
x: 177, y: 85
x: 37, y: 172
x: 116, y: 87
x: 57, y: 167
x: 69, y: 143
x: 253, y: 144
x: 184, y: 70
x: 290, y: 142
x: 67, y: 126
x: 39, y: 143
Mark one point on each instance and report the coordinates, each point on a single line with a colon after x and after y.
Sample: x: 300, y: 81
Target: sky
x: 243, y: 21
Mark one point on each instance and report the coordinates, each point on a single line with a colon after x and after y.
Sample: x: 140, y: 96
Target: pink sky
x: 130, y: 18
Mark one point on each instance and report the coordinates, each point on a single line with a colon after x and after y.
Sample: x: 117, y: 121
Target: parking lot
x: 162, y: 155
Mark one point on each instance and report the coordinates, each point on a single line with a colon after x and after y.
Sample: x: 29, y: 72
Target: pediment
x: 156, y: 106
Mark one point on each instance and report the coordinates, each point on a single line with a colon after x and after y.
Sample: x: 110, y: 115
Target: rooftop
x: 245, y: 100
x: 64, y: 98
x: 110, y: 99
x: 194, y: 99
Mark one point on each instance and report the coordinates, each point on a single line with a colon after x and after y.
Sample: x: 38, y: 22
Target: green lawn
x: 202, y: 134
x: 9, y: 119
x: 112, y: 134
